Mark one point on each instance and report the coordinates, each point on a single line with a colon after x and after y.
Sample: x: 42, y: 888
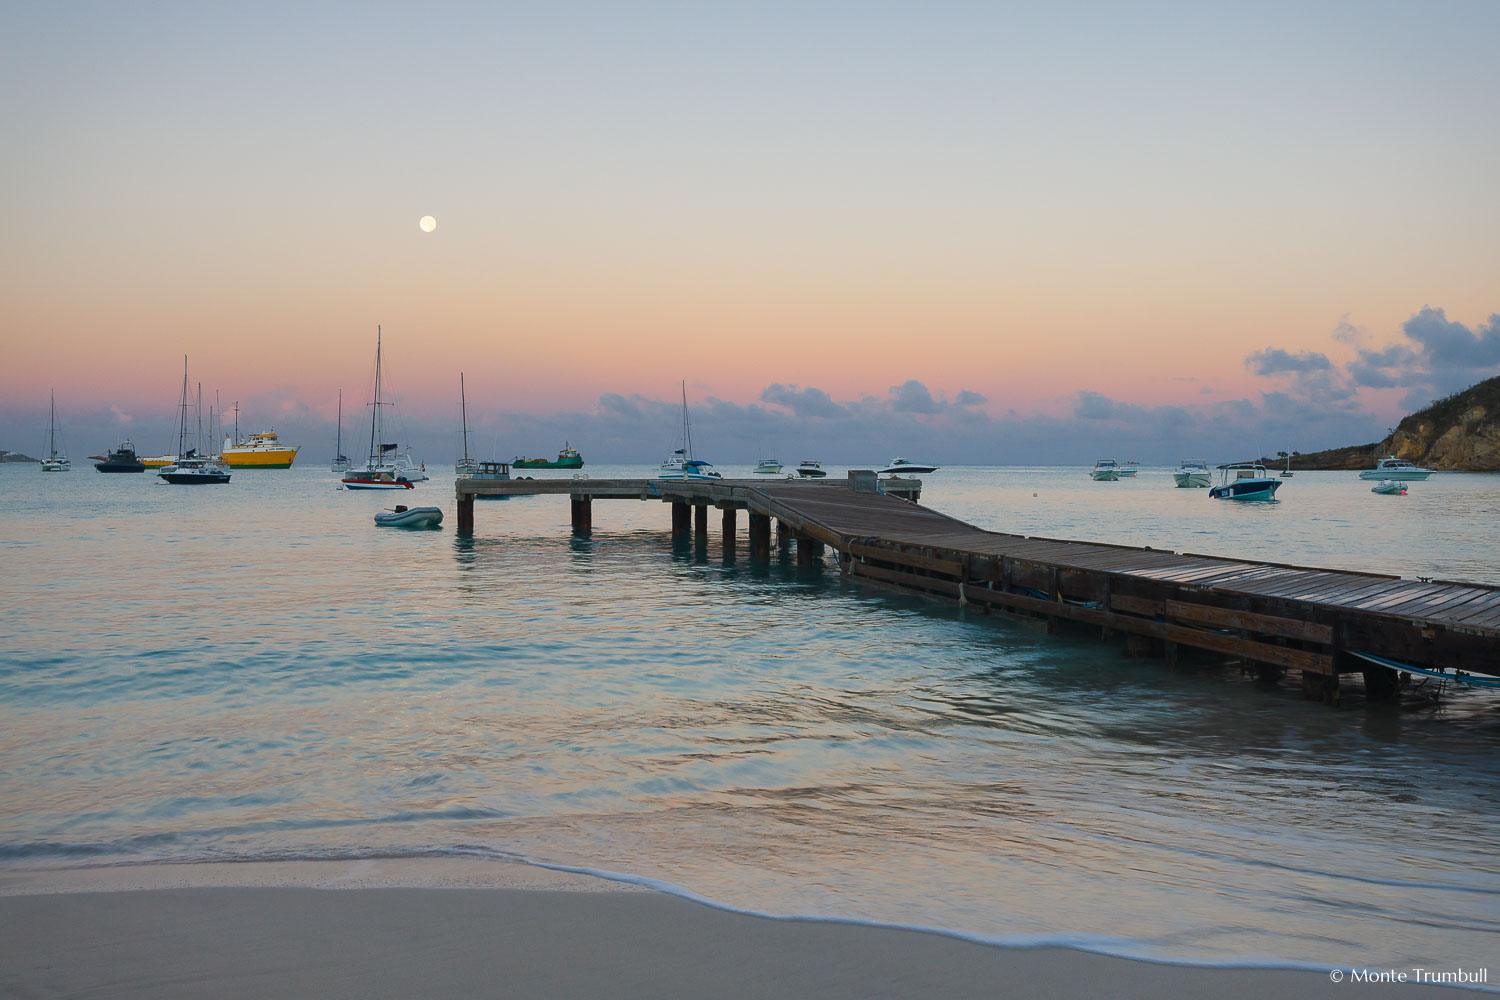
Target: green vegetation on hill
x: 1460, y: 432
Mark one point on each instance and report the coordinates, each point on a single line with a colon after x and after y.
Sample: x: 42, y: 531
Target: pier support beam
x: 783, y: 536
x: 682, y: 521
x: 466, y: 512
x: 728, y: 528
x: 809, y: 551
x: 760, y: 537
x: 700, y: 525
x: 583, y: 514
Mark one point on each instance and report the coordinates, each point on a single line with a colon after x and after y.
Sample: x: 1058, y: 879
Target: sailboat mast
x: 198, y: 413
x: 687, y: 429
x: 338, y: 440
x: 52, y: 427
x: 463, y: 409
x: 182, y: 420
x: 375, y: 417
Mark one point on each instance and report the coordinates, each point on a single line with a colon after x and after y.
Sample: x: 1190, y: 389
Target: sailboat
x: 472, y: 468
x: 377, y: 473
x: 465, y: 464
x: 682, y: 464
x: 190, y: 468
x: 55, y: 461
x: 340, y: 461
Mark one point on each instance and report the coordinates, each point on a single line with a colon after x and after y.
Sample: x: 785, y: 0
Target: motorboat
x: 190, y: 467
x: 55, y: 461
x: 402, y: 516
x: 1128, y: 469
x: 682, y: 465
x: 811, y: 468
x: 1106, y: 470
x: 264, y: 450
x: 1192, y: 473
x: 486, y: 472
x: 1395, y: 468
x: 121, y: 459
x: 899, y: 465
x: 1245, y: 481
x: 382, y: 470
x: 1389, y: 487
x: 767, y: 467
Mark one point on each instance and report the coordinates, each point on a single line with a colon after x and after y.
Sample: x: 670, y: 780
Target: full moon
x: 428, y: 224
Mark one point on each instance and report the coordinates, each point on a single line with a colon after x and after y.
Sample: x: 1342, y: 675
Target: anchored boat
x: 567, y: 458
x: 1192, y: 473
x: 378, y: 472
x: 403, y: 516
x: 1396, y: 468
x: 190, y: 468
x: 1106, y: 470
x: 55, y: 461
x: 122, y: 459
x: 899, y: 465
x: 682, y: 464
x: 811, y: 468
x: 1245, y: 481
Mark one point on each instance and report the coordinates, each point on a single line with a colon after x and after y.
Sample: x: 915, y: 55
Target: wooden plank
x: 1137, y: 605
x: 1203, y: 614
x: 1399, y: 596
x: 1436, y: 604
x: 952, y: 568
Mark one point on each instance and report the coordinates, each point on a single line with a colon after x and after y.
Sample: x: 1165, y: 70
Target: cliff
x: 1460, y: 433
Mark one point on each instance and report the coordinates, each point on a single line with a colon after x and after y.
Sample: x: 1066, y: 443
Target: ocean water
x: 255, y: 671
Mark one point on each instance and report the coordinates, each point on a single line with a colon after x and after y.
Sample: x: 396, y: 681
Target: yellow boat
x: 259, y: 451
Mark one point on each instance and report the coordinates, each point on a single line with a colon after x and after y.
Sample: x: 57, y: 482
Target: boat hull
x: 280, y: 458
x: 57, y: 467
x: 1389, y: 488
x: 375, y: 484
x: 415, y: 517
x: 120, y: 467
x: 195, y: 478
x: 1247, y: 489
x: 1107, y: 476
x: 541, y: 463
x: 1410, y: 475
x: 1191, y: 480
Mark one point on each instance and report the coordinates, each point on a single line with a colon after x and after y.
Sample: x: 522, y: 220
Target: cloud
x: 967, y: 397
x: 809, y: 402
x: 912, y: 396
x: 1275, y: 361
x: 1091, y: 405
x: 121, y: 417
x: 1446, y: 344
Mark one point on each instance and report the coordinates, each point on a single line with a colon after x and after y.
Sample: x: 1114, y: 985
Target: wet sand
x: 372, y: 929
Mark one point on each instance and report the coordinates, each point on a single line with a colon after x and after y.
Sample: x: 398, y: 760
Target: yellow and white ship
x: 259, y: 451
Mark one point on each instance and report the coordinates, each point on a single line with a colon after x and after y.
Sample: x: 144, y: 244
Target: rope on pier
x: 1441, y: 673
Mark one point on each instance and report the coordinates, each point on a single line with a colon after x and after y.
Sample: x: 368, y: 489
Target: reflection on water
x: 232, y: 677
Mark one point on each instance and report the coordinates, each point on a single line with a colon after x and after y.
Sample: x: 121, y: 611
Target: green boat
x: 566, y: 459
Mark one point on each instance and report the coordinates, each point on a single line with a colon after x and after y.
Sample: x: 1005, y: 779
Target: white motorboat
x: 1127, y: 470
x: 1396, y: 468
x: 899, y: 465
x: 1106, y: 470
x: 682, y: 465
x: 1245, y: 481
x: 378, y: 472
x: 767, y: 467
x: 403, y: 516
x: 1389, y: 487
x: 55, y: 461
x: 1192, y: 473
x: 811, y: 468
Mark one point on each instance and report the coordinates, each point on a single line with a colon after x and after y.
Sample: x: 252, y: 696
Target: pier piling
x: 682, y: 521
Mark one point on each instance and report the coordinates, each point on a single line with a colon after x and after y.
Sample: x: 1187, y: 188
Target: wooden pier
x: 1268, y: 616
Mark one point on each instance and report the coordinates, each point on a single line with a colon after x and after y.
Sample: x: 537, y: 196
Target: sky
x: 962, y: 232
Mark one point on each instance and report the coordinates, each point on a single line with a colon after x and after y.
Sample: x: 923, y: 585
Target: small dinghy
x: 1389, y: 487
x: 410, y: 517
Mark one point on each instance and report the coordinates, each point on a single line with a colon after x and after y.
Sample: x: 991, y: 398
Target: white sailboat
x: 682, y: 464
x: 378, y: 473
x: 191, y: 468
x: 340, y: 461
x: 55, y: 461
x: 464, y: 464
x: 472, y: 468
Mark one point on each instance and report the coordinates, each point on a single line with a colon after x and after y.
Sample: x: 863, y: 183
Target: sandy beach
x: 373, y: 929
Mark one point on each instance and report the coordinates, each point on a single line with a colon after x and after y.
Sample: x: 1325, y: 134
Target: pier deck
x: 1272, y: 616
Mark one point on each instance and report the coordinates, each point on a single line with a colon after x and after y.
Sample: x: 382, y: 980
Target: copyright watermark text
x: 1415, y: 975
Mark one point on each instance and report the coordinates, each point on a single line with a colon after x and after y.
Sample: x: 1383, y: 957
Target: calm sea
x: 255, y: 671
